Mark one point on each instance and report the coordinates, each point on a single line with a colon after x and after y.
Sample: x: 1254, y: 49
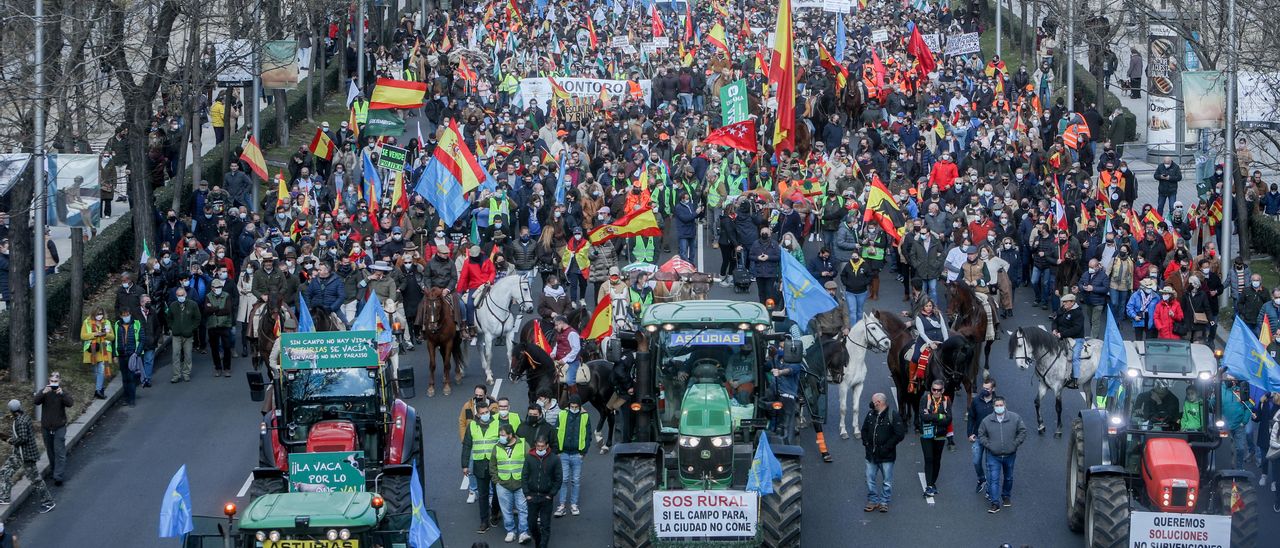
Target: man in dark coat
x: 882, y: 431
x: 542, y: 478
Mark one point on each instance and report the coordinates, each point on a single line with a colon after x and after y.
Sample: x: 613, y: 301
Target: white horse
x: 868, y: 333
x: 1052, y: 358
x: 495, y: 317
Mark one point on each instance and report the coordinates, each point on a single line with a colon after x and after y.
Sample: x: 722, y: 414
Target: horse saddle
x: 1086, y: 351
x: 583, y: 376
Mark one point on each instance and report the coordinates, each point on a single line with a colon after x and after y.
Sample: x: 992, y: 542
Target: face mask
x: 575, y: 409
x: 166, y: 261
x: 533, y: 419
x: 540, y: 452
x: 502, y: 413
x: 126, y: 319
x: 1166, y: 297
x: 98, y: 317
x: 484, y: 417
x: 217, y: 291
x: 999, y: 409
x: 1256, y: 284
x: 182, y: 299
x: 503, y: 439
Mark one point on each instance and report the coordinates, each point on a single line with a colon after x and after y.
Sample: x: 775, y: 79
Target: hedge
x: 1086, y: 86
x: 113, y: 247
x: 1264, y: 235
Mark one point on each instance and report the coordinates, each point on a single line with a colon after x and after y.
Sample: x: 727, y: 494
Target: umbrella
x: 640, y: 266
x: 678, y: 266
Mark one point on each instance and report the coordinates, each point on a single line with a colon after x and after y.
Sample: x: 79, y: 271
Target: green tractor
x: 703, y: 402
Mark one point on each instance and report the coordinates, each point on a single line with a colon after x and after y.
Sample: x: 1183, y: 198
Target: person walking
x: 480, y: 401
x: 128, y: 354
x: 1000, y: 434
x: 534, y: 427
x: 184, y: 320
x: 542, y: 479
x: 571, y: 437
x: 54, y: 400
x: 979, y: 408
x: 1135, y: 74
x: 882, y: 431
x: 507, y: 469
x: 150, y: 338
x: 98, y: 338
x: 477, y: 448
x: 24, y: 456
x: 218, y: 318
x: 935, y: 419
x: 1094, y: 287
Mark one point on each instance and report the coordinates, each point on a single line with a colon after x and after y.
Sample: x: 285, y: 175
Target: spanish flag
x: 591, y: 33
x: 640, y: 222
x: 834, y: 66
x: 884, y: 211
x: 1153, y: 217
x: 1264, y: 332
x: 252, y: 155
x: 398, y: 194
x: 558, y: 90
x: 601, y: 324
x: 540, y: 338
x: 782, y: 71
x: 716, y: 37
x: 465, y: 71
x: 321, y: 145
x: 390, y: 93
x: 282, y: 189
x: 716, y: 5
x: 456, y: 158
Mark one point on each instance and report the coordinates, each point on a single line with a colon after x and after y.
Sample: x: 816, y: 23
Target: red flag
x: 656, y: 22
x: 591, y: 33
x: 878, y: 68
x: 920, y: 50
x: 741, y: 135
x: 782, y: 71
x: 688, y: 23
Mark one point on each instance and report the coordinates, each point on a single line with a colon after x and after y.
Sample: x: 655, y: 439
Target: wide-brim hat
x: 380, y: 266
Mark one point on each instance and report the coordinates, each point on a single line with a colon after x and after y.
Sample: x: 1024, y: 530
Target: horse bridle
x: 502, y: 319
x: 876, y: 344
x: 1034, y: 360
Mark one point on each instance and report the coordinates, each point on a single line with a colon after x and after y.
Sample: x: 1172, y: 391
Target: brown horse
x: 970, y: 321
x: 436, y: 316
x: 900, y: 339
x: 272, y: 318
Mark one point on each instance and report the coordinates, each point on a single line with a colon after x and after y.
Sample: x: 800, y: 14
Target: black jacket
x: 1069, y: 323
x: 881, y: 434
x: 542, y: 475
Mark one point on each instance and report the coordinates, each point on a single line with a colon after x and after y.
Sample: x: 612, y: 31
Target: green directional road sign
x: 325, y: 472
x: 328, y: 350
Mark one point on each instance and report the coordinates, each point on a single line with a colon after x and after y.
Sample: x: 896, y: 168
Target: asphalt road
x: 120, y: 472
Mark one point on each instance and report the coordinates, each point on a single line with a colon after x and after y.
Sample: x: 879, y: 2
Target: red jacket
x: 1167, y: 314
x: 474, y: 274
x: 943, y: 175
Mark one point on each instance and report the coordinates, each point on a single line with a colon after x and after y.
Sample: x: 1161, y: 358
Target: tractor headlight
x: 761, y: 327
x: 331, y: 534
x: 721, y: 441
x: 744, y: 326
x: 344, y: 534
x: 273, y: 536
x: 260, y: 536
x: 1113, y: 424
x: 1133, y: 372
x: 689, y: 441
x: 651, y: 328
x: 669, y: 327
x: 1205, y: 375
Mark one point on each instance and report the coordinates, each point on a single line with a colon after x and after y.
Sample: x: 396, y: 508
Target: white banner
x: 705, y: 514
x: 234, y: 60
x: 837, y: 6
x: 880, y: 35
x: 815, y: 4
x: 537, y: 91
x: 77, y: 199
x: 618, y: 41
x: 1157, y: 529
x: 662, y: 42
x: 962, y: 44
x: 931, y: 40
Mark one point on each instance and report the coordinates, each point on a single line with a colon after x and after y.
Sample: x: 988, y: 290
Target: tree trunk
x: 1029, y: 37
x: 282, y: 118
x: 1240, y: 219
x: 21, y: 254
x: 189, y: 94
x: 77, y: 280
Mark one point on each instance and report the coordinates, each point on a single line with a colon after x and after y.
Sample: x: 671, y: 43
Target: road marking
x: 245, y: 488
x: 924, y: 485
x: 497, y: 387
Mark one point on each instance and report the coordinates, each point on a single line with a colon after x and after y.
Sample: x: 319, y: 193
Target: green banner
x: 328, y: 350
x: 325, y: 472
x: 392, y: 158
x: 382, y: 123
x: 733, y: 102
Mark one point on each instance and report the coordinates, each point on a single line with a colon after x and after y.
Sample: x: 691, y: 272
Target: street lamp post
x: 39, y: 325
x: 1229, y: 169
x: 360, y: 46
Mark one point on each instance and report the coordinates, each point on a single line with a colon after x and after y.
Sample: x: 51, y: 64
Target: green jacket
x: 184, y: 318
x: 218, y: 310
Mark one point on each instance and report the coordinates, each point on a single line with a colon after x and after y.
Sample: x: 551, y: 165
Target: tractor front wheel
x: 1244, y: 521
x: 1107, y: 513
x: 395, y: 494
x: 1076, y: 477
x: 634, y: 481
x: 266, y: 486
x: 780, y: 510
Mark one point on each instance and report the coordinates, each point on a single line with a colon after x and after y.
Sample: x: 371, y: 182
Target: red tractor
x: 1153, y: 449
x: 335, y: 421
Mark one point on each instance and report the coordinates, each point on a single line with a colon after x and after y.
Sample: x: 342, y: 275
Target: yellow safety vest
x: 510, y: 467
x: 563, y: 424
x: 362, y: 111
x: 482, y: 442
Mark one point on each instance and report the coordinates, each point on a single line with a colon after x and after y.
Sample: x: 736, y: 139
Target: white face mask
x: 1255, y: 283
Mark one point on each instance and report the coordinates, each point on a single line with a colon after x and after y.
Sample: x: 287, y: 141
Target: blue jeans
x: 1000, y: 467
x: 856, y: 302
x: 1240, y: 445
x: 978, y: 463
x: 469, y: 307
x: 1076, y: 349
x: 471, y: 478
x: 148, y: 365
x: 572, y: 375
x: 99, y: 375
x: 573, y: 286
x: 930, y: 286
x: 519, y: 521
x: 1119, y: 299
x: 686, y: 101
x: 1171, y: 198
x: 688, y: 250
x: 571, y: 467
x: 1043, y: 281
x: 879, y: 492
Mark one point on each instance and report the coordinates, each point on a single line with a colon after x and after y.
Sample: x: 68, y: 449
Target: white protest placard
x: 662, y: 42
x: 705, y: 514
x: 629, y: 49
x: 837, y: 6
x: 962, y: 44
x: 815, y: 4
x: 1156, y: 529
x: 931, y: 40
x: 618, y: 41
x: 538, y: 90
x: 234, y: 59
x: 648, y: 48
x: 880, y: 35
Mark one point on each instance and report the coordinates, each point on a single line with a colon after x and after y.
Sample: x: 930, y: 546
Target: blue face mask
x: 182, y: 298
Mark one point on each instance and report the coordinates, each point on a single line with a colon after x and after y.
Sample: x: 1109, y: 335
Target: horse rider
x: 273, y: 281
x: 554, y: 301
x: 976, y: 275
x: 477, y: 275
x: 834, y: 323
x: 619, y: 293
x: 442, y: 274
x: 325, y: 292
x: 1069, y: 324
x: 565, y: 350
x: 931, y: 330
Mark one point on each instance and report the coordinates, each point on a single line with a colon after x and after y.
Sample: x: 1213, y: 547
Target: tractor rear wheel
x: 1076, y: 477
x: 780, y: 510
x: 1107, y: 517
x: 634, y: 481
x: 1244, y: 522
x: 266, y: 486
x: 395, y: 494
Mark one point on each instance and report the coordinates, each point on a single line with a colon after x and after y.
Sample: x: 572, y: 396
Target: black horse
x: 532, y: 363
x: 950, y: 364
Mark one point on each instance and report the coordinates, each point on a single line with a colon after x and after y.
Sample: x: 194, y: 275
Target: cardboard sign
x: 705, y: 514
x: 801, y: 4
x: 618, y: 41
x: 662, y: 42
x: 837, y: 6
x: 328, y: 350
x: 708, y: 338
x: 880, y: 35
x: 1156, y: 529
x: 963, y: 44
x: 325, y: 472
x: 392, y: 158
x: 931, y: 40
